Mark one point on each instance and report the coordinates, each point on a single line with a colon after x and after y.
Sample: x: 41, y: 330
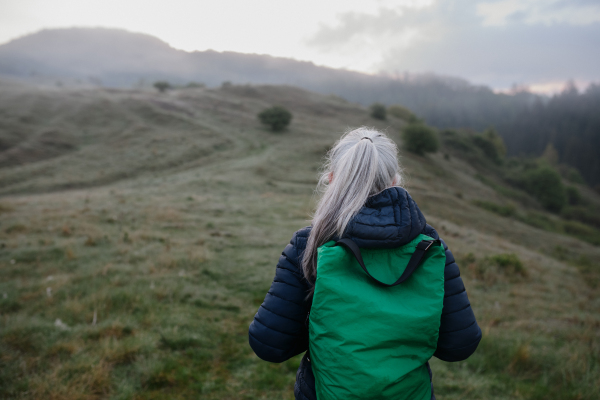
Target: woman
x: 361, y: 200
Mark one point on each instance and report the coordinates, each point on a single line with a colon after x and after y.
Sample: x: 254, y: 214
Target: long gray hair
x: 362, y: 163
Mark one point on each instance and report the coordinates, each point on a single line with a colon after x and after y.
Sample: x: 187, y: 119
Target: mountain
x: 118, y: 58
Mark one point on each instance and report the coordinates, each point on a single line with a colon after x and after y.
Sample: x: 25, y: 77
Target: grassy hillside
x: 139, y: 233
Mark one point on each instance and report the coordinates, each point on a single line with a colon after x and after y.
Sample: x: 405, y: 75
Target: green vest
x: 369, y: 341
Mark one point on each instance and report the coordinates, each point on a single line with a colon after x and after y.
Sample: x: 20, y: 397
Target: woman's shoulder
x: 294, y: 251
x: 430, y: 231
x: 300, y: 237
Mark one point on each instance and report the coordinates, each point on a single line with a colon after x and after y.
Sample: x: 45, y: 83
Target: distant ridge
x: 119, y: 58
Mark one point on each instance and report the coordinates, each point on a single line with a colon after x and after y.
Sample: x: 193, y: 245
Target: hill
x: 140, y: 232
x: 118, y: 58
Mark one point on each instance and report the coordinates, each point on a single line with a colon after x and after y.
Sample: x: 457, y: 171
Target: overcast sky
x: 540, y: 43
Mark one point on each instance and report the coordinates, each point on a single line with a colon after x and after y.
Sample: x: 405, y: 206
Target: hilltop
x: 140, y: 232
x: 118, y: 58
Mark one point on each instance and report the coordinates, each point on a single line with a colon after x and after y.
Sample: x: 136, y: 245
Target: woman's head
x: 362, y: 163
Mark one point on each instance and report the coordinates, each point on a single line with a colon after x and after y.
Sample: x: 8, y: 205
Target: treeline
x: 530, y: 185
x: 569, y: 123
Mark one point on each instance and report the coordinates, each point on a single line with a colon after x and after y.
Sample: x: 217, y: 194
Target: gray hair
x: 362, y: 163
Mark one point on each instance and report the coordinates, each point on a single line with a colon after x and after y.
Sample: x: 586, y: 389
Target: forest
x: 568, y: 123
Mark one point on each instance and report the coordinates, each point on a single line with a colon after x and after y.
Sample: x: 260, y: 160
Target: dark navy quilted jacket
x: 388, y: 220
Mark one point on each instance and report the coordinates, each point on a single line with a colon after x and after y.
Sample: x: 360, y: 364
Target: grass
x: 507, y: 191
x: 504, y: 211
x: 140, y: 280
x: 546, y: 221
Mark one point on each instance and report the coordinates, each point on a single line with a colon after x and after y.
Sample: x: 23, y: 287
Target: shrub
x: 573, y: 195
x: 162, y: 86
x: 496, y: 268
x: 277, y: 118
x: 491, y: 144
x: 571, y: 174
x: 545, y: 185
x: 458, y: 141
x: 420, y: 139
x: 509, y: 263
x: 378, y: 111
x: 402, y: 113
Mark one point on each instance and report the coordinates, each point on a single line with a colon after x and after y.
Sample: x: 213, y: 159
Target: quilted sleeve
x: 459, y: 333
x: 278, y: 330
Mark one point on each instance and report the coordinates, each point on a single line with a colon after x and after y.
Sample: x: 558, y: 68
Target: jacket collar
x: 387, y: 220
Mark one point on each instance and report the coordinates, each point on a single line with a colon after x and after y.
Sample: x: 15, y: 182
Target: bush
x: 277, y: 118
x: 545, y: 185
x: 402, y: 113
x: 496, y: 268
x: 378, y: 111
x: 458, y: 141
x: 162, y: 86
x: 509, y: 263
x: 420, y: 139
x: 571, y: 174
x: 491, y: 144
x: 573, y: 196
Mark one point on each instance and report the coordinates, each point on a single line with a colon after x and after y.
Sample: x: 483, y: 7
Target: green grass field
x: 139, y: 233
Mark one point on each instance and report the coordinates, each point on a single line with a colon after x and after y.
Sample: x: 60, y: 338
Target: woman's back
x: 371, y: 335
x: 387, y: 220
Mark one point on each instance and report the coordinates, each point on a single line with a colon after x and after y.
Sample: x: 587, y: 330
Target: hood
x: 389, y: 219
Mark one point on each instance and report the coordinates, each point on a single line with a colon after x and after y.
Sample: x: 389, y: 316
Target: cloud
x: 573, y: 12
x: 497, y: 43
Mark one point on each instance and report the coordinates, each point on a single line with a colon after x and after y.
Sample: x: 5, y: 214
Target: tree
x: 378, y: 111
x: 545, y: 185
x: 550, y: 154
x: 162, y: 86
x: 420, y: 139
x: 277, y: 118
x: 492, y: 145
x: 402, y: 112
x: 574, y: 197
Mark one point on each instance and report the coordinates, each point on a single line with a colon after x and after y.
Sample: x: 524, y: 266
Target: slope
x: 140, y: 282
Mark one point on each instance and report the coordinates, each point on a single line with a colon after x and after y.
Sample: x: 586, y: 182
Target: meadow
x: 139, y: 233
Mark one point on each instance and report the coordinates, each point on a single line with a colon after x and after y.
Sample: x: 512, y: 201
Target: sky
x: 540, y: 44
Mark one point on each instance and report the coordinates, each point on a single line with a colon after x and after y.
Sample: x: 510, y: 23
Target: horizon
x: 547, y: 89
x: 500, y: 44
